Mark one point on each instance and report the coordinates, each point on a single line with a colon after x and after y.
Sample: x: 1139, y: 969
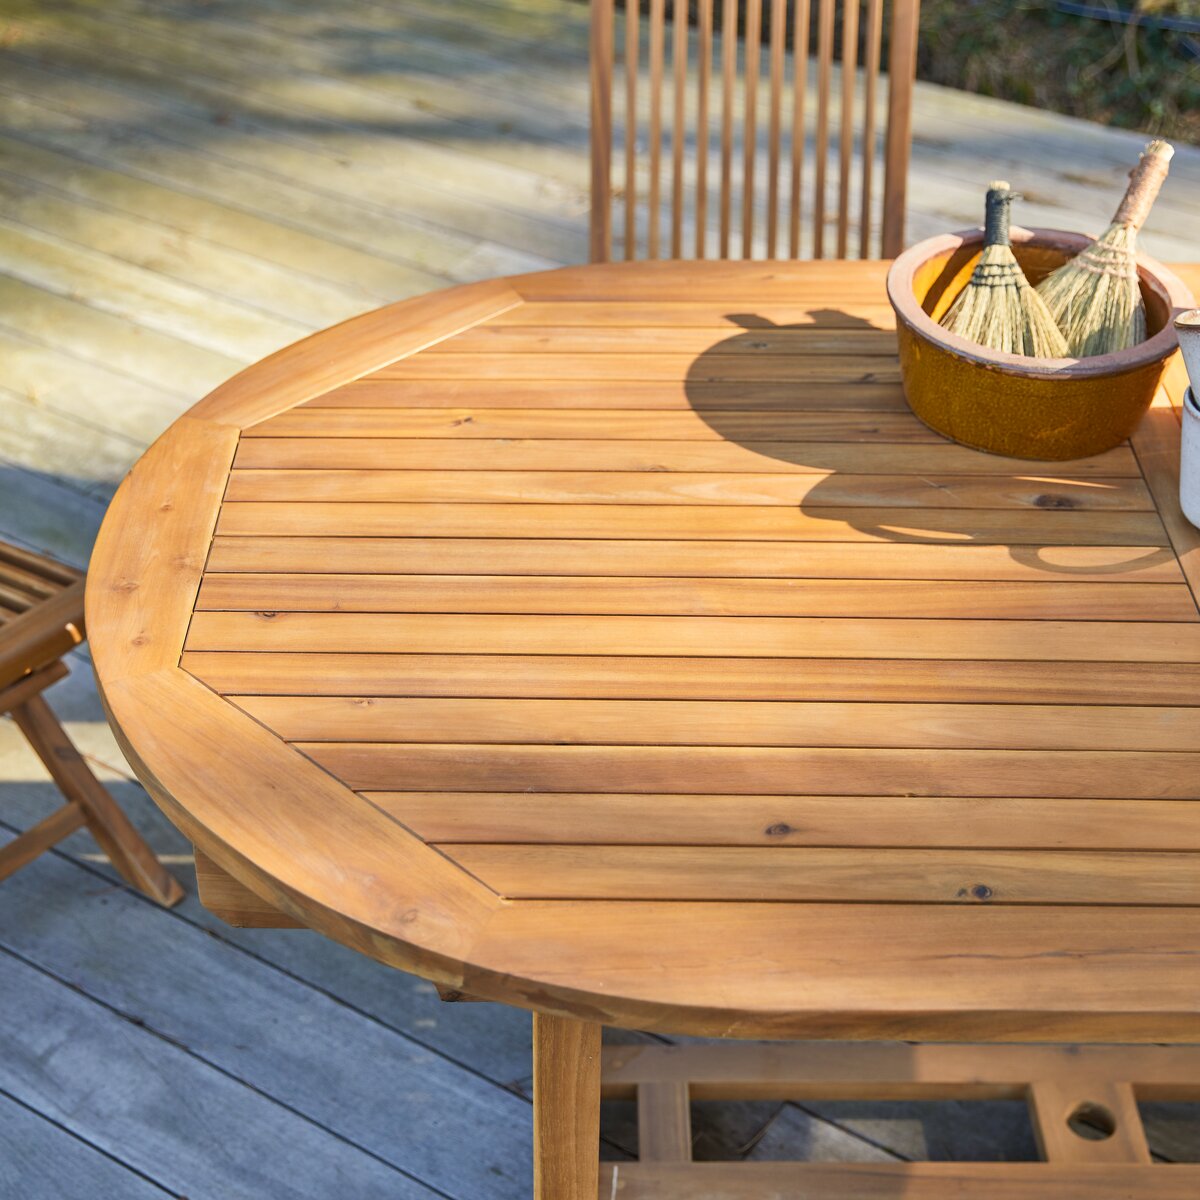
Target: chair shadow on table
x: 767, y: 417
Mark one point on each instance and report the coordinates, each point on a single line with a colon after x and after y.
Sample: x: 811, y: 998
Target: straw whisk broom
x: 1095, y: 298
x: 998, y: 308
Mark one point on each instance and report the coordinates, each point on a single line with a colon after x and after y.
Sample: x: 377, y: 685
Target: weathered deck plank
x: 372, y: 1087
x: 40, y: 1158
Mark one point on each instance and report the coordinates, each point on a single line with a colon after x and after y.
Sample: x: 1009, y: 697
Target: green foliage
x: 1136, y: 76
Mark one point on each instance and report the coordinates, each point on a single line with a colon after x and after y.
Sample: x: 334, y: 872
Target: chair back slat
x: 729, y: 43
x: 824, y: 87
x: 872, y: 49
x: 632, y: 46
x: 657, y: 39
x: 800, y: 36
x: 16, y: 600
x: 752, y: 44
x: 679, y: 133
x: 765, y: 144
x: 778, y: 37
x: 600, y: 116
x: 704, y: 20
x: 902, y: 63
x: 846, y: 136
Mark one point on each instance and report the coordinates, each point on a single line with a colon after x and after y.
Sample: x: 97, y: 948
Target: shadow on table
x: 761, y: 417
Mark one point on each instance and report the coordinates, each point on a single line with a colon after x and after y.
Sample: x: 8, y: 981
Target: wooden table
x: 614, y: 643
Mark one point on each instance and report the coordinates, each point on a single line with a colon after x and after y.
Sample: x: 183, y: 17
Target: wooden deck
x: 185, y: 188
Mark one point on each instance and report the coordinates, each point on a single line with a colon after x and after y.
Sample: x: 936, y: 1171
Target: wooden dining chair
x: 709, y: 129
x: 41, y: 619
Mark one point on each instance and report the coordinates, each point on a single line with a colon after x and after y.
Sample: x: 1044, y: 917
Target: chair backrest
x: 41, y: 611
x: 756, y: 202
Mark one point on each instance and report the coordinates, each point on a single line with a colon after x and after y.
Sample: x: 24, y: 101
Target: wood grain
x: 235, y: 903
x: 805, y: 523
x: 973, y: 972
x: 1118, y: 565
x: 497, y: 818
x: 823, y: 874
x: 566, y: 1108
x: 381, y: 766
x: 779, y: 637
x: 862, y: 458
x: 977, y: 492
x: 876, y: 1181
x: 677, y: 681
x: 690, y: 596
x: 726, y: 723
x: 669, y: 394
x: 601, y: 423
x: 734, y: 1070
x: 320, y: 672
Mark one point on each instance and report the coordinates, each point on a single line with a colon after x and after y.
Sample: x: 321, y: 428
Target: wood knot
x: 1050, y: 500
x: 978, y: 891
x: 779, y: 829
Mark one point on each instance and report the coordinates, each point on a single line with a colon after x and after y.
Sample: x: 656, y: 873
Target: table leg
x: 566, y: 1108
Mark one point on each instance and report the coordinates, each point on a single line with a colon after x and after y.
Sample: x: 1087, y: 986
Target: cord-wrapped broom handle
x: 1144, y: 182
x: 996, y: 214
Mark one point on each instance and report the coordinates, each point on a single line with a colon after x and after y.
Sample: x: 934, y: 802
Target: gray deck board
x: 153, y: 1105
x: 373, y: 1086
x: 40, y: 1158
x: 184, y: 187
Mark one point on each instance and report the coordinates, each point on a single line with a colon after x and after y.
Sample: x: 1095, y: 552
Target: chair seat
x: 41, y: 612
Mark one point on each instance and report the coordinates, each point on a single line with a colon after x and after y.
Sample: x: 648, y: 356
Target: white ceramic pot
x: 1189, y: 462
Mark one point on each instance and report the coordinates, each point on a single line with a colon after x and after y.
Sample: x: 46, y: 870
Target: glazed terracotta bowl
x: 1040, y: 408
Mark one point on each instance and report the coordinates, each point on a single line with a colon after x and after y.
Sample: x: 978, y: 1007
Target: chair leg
x: 112, y: 829
x: 46, y: 833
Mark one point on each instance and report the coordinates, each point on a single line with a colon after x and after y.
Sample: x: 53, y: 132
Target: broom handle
x: 1144, y: 182
x: 996, y: 214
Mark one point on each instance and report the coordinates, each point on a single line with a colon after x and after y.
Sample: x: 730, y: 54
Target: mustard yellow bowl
x: 1042, y: 408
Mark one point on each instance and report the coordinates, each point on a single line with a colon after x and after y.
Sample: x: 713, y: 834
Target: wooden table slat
x: 599, y: 424
x: 832, y: 490
x: 778, y: 637
x: 762, y: 395
x: 996, y: 822
x: 694, y: 559
x: 763, y: 340
x: 722, y: 523
x: 701, y: 314
x: 1110, y: 775
x: 557, y: 454
x: 693, y: 596
x: 321, y: 672
x: 832, y: 875
x: 727, y: 723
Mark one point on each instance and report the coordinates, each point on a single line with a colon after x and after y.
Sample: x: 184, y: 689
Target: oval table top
x: 613, y: 642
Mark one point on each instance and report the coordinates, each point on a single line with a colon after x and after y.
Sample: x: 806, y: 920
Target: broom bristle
x: 1000, y: 310
x: 1096, y: 299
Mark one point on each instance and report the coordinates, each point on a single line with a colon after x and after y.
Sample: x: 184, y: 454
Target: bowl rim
x: 903, y: 299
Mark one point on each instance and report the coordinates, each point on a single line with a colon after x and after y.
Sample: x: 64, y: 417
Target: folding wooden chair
x: 41, y: 619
